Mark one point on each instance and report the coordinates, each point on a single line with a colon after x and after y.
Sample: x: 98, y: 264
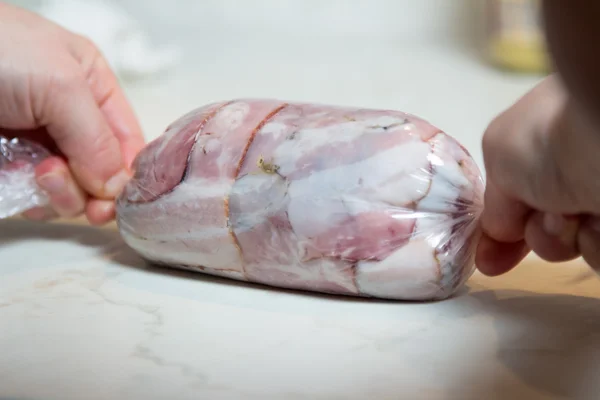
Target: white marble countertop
x: 82, y: 317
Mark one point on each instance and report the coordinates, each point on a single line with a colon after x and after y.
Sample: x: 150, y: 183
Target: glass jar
x: 515, y: 39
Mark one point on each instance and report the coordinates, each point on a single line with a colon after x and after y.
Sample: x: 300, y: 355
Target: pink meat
x: 312, y: 197
x: 187, y: 225
x: 258, y: 216
x: 165, y: 163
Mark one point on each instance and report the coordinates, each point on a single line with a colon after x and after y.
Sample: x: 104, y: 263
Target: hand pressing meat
x: 313, y: 197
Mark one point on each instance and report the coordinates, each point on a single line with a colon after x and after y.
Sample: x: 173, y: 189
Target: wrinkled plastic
x: 340, y: 200
x: 18, y: 189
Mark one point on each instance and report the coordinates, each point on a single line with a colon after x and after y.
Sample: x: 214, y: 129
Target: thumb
x: 75, y: 122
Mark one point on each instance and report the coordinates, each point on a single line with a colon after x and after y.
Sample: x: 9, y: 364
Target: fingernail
x: 554, y: 224
x: 114, y: 185
x: 53, y: 183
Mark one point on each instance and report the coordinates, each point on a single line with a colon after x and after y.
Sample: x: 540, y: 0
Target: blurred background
x: 456, y: 63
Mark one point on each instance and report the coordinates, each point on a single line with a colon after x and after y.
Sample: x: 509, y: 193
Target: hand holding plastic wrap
x: 338, y: 200
x: 18, y: 189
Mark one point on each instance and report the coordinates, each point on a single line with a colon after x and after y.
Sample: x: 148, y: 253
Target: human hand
x: 543, y: 191
x: 57, y: 89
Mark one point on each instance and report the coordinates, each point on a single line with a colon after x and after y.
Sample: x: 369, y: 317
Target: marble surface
x: 82, y: 317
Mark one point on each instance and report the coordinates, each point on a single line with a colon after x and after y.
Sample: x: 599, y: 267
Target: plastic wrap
x: 360, y: 202
x: 18, y: 189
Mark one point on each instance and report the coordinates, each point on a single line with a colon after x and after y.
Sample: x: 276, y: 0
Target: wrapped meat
x: 361, y: 202
x: 18, y: 189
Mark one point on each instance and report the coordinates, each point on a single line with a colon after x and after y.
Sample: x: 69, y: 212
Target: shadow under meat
x: 113, y: 248
x: 551, y: 343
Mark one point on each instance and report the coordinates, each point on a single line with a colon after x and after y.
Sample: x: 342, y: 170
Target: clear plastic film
x: 18, y: 189
x: 340, y: 200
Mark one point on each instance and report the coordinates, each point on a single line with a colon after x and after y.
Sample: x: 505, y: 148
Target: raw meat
x: 331, y: 199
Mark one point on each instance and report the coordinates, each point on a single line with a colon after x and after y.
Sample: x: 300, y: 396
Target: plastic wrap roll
x: 18, y: 189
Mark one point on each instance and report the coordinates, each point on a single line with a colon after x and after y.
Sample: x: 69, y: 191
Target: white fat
x: 385, y: 120
x: 183, y: 123
x: 311, y: 217
x: 311, y: 141
x: 252, y: 183
x: 223, y: 255
x: 275, y: 129
x: 447, y: 181
x: 433, y: 228
x: 201, y: 233
x: 356, y: 204
x: 231, y: 116
x: 268, y: 194
x: 224, y: 273
x: 208, y: 144
x: 326, y: 197
x: 405, y: 189
x: 432, y: 222
x: 374, y: 171
x: 411, y: 272
x: 196, y: 189
x: 307, y: 275
x: 196, y: 203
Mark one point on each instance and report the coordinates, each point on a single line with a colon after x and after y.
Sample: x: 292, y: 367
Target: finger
x: 503, y: 219
x: 54, y: 177
x: 81, y: 132
x: 100, y: 212
x: 40, y: 214
x: 553, y: 237
x: 495, y: 258
x: 588, y: 240
x: 111, y: 99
